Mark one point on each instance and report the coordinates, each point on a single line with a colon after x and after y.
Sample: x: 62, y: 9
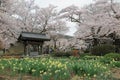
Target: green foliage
x: 49, y: 68
x: 89, y: 68
x: 102, y: 49
x: 105, y: 60
x: 85, y: 54
x: 91, y: 57
x: 62, y: 54
x: 111, y: 60
x: 72, y: 58
x: 87, y: 50
x: 43, y: 67
x: 116, y: 64
x: 114, y: 56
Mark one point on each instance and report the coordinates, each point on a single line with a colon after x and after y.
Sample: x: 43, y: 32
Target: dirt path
x: 116, y: 73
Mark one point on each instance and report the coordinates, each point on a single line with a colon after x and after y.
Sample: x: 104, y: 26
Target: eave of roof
x: 30, y: 36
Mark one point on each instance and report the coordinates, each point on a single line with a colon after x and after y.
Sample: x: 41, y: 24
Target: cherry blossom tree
x: 23, y: 15
x: 96, y: 20
x: 6, y: 23
x: 56, y: 30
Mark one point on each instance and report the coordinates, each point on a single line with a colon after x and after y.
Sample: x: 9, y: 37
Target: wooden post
x: 41, y: 49
x: 24, y: 48
x: 38, y: 49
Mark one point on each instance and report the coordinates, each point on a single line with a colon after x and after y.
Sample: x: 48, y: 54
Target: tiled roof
x: 30, y: 36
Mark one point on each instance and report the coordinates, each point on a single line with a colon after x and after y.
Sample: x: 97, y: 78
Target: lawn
x: 49, y: 68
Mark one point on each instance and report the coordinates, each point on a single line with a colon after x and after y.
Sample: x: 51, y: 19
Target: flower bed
x: 55, y: 69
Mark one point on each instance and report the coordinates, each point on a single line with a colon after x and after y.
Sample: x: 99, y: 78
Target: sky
x: 62, y: 4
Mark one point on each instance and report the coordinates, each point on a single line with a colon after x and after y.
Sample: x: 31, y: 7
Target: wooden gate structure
x: 33, y: 42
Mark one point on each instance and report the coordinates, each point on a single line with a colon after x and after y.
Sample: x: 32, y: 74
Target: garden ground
x: 115, y: 74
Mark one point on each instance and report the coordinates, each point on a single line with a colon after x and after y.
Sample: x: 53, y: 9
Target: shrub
x: 103, y: 49
x: 87, y: 50
x: 106, y: 60
x: 91, y: 57
x: 85, y: 54
x: 114, y: 56
x: 62, y: 54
